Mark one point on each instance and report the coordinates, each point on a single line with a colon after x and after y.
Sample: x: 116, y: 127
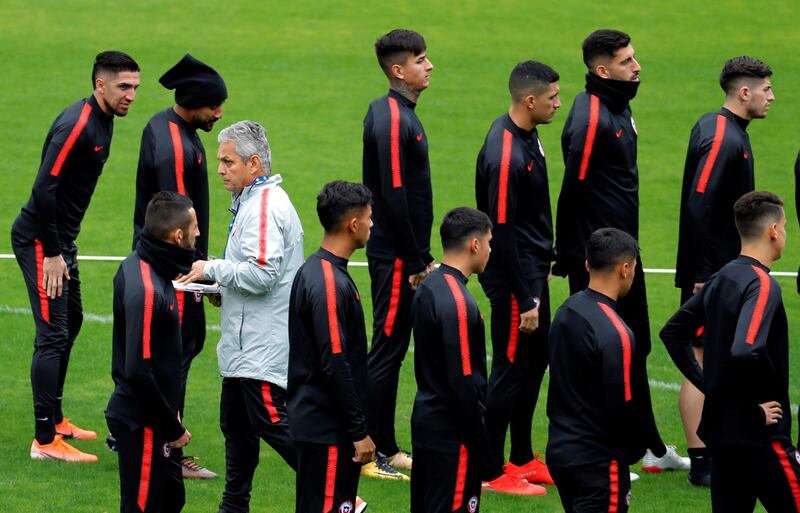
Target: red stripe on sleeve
x: 719, y: 135
x: 330, y: 302
x: 788, y: 469
x: 330, y: 477
x: 180, y: 296
x: 394, y: 297
x: 591, y: 132
x: 502, y: 188
x: 513, y: 331
x: 70, y: 142
x: 463, y: 330
x: 266, y: 397
x: 149, y: 297
x: 144, y: 475
x: 700, y: 331
x: 177, y: 147
x: 613, y: 487
x: 625, y: 340
x: 394, y: 117
x: 262, y: 228
x: 761, y: 305
x: 461, y: 478
x: 44, y: 303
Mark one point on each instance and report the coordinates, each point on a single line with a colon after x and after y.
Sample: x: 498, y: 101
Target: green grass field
x: 306, y: 70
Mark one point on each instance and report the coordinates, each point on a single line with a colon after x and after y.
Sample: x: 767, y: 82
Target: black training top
x: 146, y: 339
x: 511, y: 188
x: 740, y: 316
x: 600, y: 188
x: 327, y: 388
x: 718, y: 171
x: 590, y: 398
x: 397, y: 171
x: 172, y: 158
x: 450, y: 366
x: 74, y: 152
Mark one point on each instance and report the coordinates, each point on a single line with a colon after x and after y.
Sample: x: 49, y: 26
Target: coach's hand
x: 697, y: 287
x: 54, y: 270
x: 215, y: 299
x: 415, y: 279
x: 772, y: 412
x: 529, y: 321
x: 365, y: 450
x: 183, y: 440
x: 196, y: 274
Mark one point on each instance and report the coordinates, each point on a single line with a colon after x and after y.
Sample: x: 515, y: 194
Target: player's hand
x: 772, y: 412
x: 54, y: 272
x: 697, y: 287
x: 415, y: 279
x: 215, y: 299
x: 529, y: 321
x: 183, y: 440
x: 196, y: 274
x: 431, y: 266
x: 365, y: 450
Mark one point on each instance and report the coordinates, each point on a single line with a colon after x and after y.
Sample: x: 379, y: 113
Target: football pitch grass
x: 306, y: 70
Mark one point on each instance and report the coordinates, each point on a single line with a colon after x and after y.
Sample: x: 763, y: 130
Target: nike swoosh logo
x: 97, y: 148
x: 746, y: 155
x: 42, y: 420
x: 619, y: 133
x: 419, y: 136
x: 171, y: 306
x: 199, y: 159
x: 530, y: 166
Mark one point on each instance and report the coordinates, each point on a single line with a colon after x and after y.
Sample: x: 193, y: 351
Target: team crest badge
x: 472, y: 504
x: 628, y: 498
x: 633, y: 124
x: 346, y: 507
x: 541, y: 148
x: 166, y: 450
x: 797, y: 457
x: 198, y: 297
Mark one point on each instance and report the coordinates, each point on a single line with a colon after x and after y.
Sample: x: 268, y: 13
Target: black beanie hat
x: 196, y: 84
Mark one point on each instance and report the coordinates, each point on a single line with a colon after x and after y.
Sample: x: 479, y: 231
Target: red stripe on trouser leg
x: 791, y: 477
x: 461, y: 478
x: 44, y: 303
x: 613, y: 487
x: 144, y: 475
x: 330, y: 478
x: 394, y: 298
x: 266, y: 396
x: 513, y: 331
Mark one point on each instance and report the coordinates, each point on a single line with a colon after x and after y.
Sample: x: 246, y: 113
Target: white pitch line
x: 95, y: 258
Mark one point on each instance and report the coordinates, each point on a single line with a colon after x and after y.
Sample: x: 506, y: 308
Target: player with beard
x: 172, y: 158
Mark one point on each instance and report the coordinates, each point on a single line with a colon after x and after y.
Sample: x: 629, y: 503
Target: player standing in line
x: 172, y: 158
x: 327, y: 391
x: 143, y: 411
x: 718, y: 171
x: 593, y: 421
x: 397, y: 171
x: 601, y: 189
x: 43, y: 238
x: 451, y: 443
x: 263, y: 252
x: 511, y: 188
x: 746, y: 419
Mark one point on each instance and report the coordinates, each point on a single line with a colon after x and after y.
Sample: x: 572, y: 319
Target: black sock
x: 701, y: 463
x: 45, y: 428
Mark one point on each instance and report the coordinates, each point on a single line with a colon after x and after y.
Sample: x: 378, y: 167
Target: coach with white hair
x: 263, y: 252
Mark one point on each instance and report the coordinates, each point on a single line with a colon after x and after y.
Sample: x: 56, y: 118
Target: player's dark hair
x: 460, y: 224
x: 603, y: 43
x: 113, y: 62
x: 392, y: 48
x: 530, y: 77
x: 741, y: 67
x: 338, y: 199
x: 755, y: 210
x: 167, y: 211
x: 606, y: 247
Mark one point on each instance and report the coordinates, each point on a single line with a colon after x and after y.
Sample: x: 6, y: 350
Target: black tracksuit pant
x: 149, y: 471
x: 250, y: 410
x: 327, y: 478
x: 445, y: 482
x: 58, y: 322
x: 519, y: 361
x: 604, y: 488
x: 633, y: 310
x: 391, y: 314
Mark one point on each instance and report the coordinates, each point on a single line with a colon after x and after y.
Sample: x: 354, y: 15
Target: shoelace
x: 383, y: 464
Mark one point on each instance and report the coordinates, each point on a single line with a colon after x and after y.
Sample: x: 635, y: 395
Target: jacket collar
x: 168, y: 260
x: 401, y: 99
x: 743, y: 123
x: 615, y: 94
x: 336, y: 260
x: 446, y: 269
x: 261, y: 182
x: 514, y: 129
x: 598, y: 297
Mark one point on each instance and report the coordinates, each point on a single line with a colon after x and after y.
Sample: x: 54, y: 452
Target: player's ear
x: 352, y: 225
